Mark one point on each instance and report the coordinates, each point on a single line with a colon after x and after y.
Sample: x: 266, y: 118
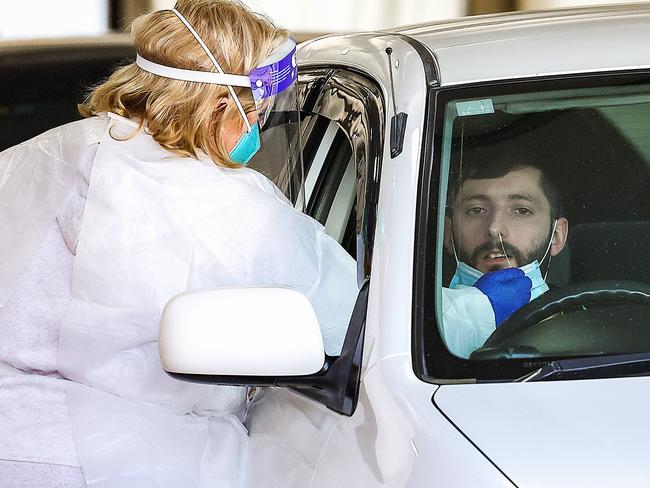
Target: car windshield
x: 553, y: 182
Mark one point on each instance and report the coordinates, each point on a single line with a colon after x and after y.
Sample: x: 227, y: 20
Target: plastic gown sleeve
x: 276, y: 244
x: 467, y: 319
x: 35, y: 178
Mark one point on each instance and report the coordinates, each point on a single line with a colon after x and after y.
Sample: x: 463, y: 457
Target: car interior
x: 598, y: 155
x: 602, y: 176
x: 330, y: 179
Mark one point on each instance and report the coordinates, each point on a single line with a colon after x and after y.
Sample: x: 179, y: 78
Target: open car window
x: 330, y: 183
x: 342, y: 126
x: 554, y: 181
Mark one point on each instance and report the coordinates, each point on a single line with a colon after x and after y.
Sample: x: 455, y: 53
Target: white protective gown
x: 154, y: 225
x: 467, y: 319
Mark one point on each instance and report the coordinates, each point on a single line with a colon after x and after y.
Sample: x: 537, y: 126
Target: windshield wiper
x: 592, y: 367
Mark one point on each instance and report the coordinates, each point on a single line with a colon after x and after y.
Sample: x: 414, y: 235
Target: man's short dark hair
x: 486, y: 162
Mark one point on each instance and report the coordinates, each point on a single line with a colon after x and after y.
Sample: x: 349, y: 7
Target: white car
x: 558, y: 395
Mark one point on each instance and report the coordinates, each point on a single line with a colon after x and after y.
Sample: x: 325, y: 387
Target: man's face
x: 510, y: 214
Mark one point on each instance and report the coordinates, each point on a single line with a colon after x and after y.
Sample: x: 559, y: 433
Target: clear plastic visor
x: 280, y: 155
x: 276, y: 98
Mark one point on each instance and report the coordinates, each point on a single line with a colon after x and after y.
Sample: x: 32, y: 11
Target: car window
x: 554, y: 182
x: 330, y: 183
x: 342, y: 126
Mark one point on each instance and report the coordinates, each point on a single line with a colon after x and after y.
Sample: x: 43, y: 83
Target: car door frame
x: 355, y: 104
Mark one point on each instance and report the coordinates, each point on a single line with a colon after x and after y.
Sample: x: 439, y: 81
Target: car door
x: 342, y: 137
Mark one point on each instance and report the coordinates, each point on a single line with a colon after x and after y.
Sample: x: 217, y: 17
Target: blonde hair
x: 184, y: 116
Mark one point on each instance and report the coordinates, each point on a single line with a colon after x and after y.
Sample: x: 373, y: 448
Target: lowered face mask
x: 465, y: 275
x: 539, y: 286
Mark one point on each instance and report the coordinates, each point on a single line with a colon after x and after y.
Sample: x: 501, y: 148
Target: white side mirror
x: 241, y: 332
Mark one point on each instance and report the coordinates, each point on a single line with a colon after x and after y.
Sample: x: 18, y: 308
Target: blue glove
x: 507, y: 289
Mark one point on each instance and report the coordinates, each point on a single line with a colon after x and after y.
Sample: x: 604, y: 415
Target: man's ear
x: 449, y: 246
x: 560, y: 236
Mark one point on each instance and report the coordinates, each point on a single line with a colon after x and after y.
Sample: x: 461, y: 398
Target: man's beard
x: 515, y: 255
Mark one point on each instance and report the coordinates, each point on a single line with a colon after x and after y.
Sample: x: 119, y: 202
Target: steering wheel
x: 567, y: 299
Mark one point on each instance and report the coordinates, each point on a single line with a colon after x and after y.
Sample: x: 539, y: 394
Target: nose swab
x: 504, y: 250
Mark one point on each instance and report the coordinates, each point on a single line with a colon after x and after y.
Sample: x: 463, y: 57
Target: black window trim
x: 366, y: 139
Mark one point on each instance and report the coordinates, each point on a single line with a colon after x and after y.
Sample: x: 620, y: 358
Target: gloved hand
x: 507, y: 289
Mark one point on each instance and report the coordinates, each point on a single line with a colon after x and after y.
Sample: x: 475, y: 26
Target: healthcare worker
x: 505, y: 223
x: 107, y: 218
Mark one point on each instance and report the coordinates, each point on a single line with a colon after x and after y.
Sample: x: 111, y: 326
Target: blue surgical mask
x: 539, y: 286
x: 247, y: 146
x: 465, y: 275
x: 533, y: 271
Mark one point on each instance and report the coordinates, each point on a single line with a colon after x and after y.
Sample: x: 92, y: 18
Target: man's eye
x: 523, y: 211
x: 475, y: 211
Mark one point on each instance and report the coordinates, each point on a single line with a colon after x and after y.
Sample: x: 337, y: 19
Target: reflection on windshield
x: 546, y: 225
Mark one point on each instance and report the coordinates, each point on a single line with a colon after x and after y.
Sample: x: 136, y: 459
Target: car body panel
x: 394, y: 439
x: 394, y: 239
x: 559, y: 433
x: 512, y: 46
x: 538, y: 44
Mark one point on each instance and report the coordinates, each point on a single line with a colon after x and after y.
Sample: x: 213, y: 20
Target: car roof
x: 538, y: 43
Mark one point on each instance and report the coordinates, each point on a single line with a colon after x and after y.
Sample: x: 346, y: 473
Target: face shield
x: 275, y: 92
x: 271, y: 145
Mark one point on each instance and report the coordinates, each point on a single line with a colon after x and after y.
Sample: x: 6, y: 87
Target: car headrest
x: 610, y: 251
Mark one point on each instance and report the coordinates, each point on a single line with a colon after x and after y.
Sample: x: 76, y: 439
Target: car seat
x: 609, y: 251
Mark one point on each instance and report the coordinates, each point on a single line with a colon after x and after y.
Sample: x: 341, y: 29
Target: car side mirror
x: 262, y: 337
x: 242, y: 332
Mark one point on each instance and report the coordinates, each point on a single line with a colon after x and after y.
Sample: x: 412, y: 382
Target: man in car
x: 504, y: 224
